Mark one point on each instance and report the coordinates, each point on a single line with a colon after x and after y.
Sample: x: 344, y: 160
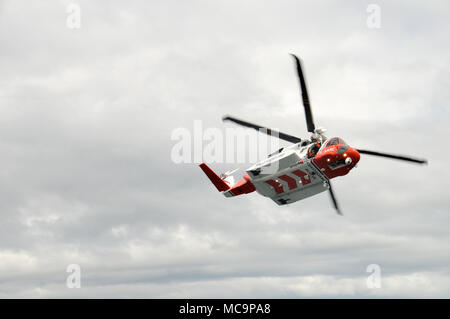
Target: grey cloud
x: 87, y: 116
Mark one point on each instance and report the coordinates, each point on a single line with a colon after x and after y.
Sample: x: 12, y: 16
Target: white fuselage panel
x: 288, y: 176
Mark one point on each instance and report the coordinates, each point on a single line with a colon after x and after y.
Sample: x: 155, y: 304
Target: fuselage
x: 298, y: 171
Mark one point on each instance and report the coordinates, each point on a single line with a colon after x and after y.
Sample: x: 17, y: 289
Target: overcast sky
x: 86, y: 117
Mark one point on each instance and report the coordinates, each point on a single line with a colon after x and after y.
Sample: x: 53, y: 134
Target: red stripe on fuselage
x: 276, y: 185
x: 292, y: 183
x: 302, y: 176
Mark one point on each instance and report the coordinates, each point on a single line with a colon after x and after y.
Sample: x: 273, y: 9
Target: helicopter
x: 301, y: 170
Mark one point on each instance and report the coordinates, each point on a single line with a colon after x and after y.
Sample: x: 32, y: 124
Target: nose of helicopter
x: 348, y: 154
x: 336, y: 160
x: 351, y: 156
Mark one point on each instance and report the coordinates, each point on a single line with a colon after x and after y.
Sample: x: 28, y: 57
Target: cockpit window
x: 336, y: 141
x: 333, y: 141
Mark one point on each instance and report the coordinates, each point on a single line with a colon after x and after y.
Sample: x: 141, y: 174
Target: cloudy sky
x: 87, y: 176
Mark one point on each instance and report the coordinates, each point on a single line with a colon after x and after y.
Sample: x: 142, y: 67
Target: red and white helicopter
x: 301, y: 170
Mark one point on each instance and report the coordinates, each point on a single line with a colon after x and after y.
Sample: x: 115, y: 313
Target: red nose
x: 353, y: 154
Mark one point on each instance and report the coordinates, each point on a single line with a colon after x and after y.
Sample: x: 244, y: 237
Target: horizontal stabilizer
x: 220, y: 184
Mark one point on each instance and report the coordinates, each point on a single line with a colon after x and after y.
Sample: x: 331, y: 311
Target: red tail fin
x: 220, y: 184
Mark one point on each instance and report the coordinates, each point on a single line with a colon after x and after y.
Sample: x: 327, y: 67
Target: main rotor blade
x: 305, y: 97
x: 333, y: 198
x: 263, y: 129
x: 393, y: 156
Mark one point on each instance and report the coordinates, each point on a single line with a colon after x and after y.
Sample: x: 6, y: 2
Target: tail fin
x: 220, y: 184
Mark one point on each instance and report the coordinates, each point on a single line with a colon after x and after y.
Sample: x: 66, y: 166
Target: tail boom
x: 244, y: 186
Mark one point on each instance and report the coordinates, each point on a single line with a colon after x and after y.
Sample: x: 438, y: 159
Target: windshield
x: 336, y: 141
x: 333, y: 141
